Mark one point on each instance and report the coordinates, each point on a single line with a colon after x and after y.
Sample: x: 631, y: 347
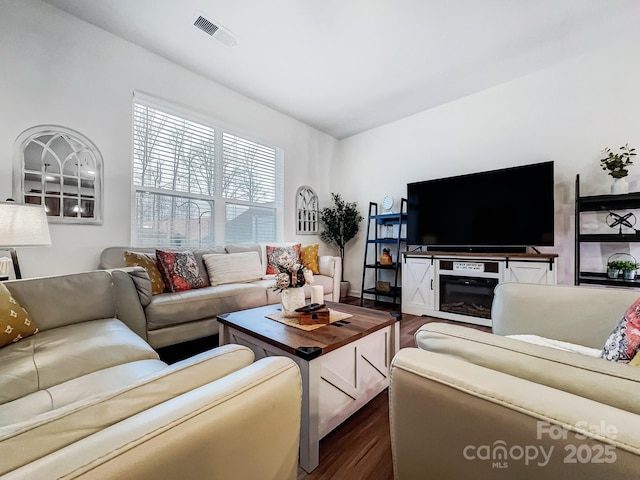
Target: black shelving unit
x: 376, y: 240
x: 602, y: 203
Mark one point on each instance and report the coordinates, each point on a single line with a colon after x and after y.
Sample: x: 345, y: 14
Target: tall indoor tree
x: 341, y: 223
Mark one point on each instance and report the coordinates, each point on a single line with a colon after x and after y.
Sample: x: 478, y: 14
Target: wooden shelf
x: 602, y: 279
x: 390, y: 218
x: 604, y: 203
x: 385, y: 240
x: 609, y: 237
x: 394, y: 292
x: 381, y: 266
x: 379, y: 224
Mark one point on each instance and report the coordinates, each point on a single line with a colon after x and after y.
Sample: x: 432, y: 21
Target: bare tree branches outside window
x: 183, y: 169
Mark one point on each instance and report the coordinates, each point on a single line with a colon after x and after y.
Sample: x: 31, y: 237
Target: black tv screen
x: 507, y: 207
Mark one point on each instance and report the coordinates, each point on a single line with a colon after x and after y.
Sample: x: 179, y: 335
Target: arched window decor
x: 306, y: 211
x: 61, y: 169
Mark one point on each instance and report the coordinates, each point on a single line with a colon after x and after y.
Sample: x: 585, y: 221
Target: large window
x: 198, y: 185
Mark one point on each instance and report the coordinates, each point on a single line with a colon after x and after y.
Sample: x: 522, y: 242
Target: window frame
x: 218, y: 199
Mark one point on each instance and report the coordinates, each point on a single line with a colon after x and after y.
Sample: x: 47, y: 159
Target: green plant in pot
x: 341, y: 223
x: 616, y: 164
x: 614, y: 267
x: 629, y: 268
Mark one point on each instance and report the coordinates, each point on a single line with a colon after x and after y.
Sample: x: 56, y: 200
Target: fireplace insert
x: 466, y: 295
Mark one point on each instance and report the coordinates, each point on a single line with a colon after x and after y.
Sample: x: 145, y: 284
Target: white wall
x: 567, y: 113
x: 59, y: 70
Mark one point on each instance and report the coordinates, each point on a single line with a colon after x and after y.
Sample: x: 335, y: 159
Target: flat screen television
x: 511, y: 207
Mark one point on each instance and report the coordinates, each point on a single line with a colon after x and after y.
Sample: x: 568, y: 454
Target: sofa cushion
x: 624, y: 341
x: 148, y: 262
x: 309, y: 256
x: 179, y: 270
x: 15, y: 322
x: 581, y: 375
x: 233, y: 268
x: 204, y: 303
x: 78, y: 389
x: 57, y: 355
x: 278, y: 255
x: 70, y: 299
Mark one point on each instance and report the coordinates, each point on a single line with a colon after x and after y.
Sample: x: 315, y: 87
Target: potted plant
x: 613, y: 268
x: 629, y: 268
x: 341, y: 224
x: 617, y: 164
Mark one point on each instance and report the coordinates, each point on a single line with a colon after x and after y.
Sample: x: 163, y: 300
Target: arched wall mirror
x: 61, y: 169
x: 307, y: 215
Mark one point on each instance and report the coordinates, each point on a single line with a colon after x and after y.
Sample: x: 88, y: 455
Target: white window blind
x: 198, y: 185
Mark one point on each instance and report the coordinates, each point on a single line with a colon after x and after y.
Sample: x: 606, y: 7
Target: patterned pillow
x: 624, y: 342
x: 15, y: 323
x: 278, y: 255
x: 179, y: 270
x: 309, y: 255
x: 148, y: 262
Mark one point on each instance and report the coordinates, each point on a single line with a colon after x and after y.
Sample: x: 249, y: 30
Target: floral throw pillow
x: 179, y: 270
x: 15, y: 322
x: 624, y: 342
x: 279, y: 255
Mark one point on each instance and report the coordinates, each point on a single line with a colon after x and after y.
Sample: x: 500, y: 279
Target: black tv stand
x: 472, y: 249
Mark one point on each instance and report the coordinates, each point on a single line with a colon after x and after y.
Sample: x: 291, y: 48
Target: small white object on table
x: 317, y: 294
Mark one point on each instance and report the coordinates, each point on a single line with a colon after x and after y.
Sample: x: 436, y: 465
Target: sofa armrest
x: 43, y: 435
x: 332, y: 267
x: 245, y: 425
x: 582, y: 315
x: 451, y: 419
x: 588, y: 377
x: 129, y: 286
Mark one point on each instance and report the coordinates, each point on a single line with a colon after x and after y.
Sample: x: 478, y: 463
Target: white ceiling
x: 345, y: 66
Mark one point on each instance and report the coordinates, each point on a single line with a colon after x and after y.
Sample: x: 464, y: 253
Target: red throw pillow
x: 624, y: 341
x: 278, y: 255
x: 179, y: 270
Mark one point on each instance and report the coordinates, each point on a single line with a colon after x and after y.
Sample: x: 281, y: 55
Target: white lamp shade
x: 23, y: 225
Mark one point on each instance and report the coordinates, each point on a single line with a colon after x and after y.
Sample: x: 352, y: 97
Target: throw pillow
x: 635, y: 361
x: 179, y: 270
x: 15, y: 323
x: 309, y: 255
x: 148, y: 262
x: 278, y: 255
x: 233, y: 267
x: 624, y: 342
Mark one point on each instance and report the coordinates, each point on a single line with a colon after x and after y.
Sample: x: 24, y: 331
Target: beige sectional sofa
x: 468, y: 403
x: 172, y: 318
x: 86, y: 397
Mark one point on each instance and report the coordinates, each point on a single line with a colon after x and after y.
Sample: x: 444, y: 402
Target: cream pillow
x: 233, y: 267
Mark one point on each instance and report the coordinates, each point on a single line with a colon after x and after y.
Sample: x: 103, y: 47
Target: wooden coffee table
x: 344, y: 364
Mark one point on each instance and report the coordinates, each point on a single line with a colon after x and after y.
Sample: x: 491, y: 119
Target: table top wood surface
x: 308, y: 344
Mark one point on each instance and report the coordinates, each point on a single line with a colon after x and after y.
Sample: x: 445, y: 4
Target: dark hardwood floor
x: 360, y: 448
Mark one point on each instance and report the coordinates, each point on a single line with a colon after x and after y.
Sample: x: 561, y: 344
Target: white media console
x: 459, y: 286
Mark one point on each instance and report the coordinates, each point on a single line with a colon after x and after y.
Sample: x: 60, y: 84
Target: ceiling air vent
x: 217, y: 31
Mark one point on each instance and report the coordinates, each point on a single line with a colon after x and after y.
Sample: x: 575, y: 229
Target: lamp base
x: 16, y: 265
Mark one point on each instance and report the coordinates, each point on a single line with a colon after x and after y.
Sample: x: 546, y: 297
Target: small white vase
x: 292, y: 298
x: 619, y: 185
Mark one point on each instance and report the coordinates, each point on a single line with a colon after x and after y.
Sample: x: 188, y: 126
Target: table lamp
x: 22, y: 225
